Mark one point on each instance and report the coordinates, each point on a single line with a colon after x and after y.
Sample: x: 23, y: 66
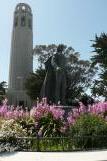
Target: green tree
x: 100, y: 50
x: 34, y: 83
x: 100, y: 59
x: 2, y: 90
x: 79, y: 77
x: 79, y: 72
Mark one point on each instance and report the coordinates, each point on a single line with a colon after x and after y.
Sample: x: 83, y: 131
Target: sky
x: 71, y: 22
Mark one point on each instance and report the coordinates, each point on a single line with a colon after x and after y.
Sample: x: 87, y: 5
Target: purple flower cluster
x: 99, y: 109
x: 57, y: 113
x: 8, y: 112
x: 43, y: 110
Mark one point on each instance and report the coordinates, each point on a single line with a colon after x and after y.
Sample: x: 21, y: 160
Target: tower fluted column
x: 21, y: 58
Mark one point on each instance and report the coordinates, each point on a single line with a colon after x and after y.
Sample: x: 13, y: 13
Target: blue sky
x: 72, y: 22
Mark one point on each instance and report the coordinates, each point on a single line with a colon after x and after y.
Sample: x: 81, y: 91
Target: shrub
x: 9, y: 132
x: 89, y: 130
x: 86, y: 124
x: 28, y: 123
x: 49, y: 120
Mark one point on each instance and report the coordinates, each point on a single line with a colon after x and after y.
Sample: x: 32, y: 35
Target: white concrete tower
x: 21, y: 59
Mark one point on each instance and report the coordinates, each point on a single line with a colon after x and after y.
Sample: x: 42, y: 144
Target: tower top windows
x: 23, y: 7
x: 23, y: 16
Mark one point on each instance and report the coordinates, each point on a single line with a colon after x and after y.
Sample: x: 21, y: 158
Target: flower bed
x: 47, y: 121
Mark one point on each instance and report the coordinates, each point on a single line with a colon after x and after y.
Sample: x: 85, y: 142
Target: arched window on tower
x: 23, y: 21
x: 30, y: 23
x: 16, y: 22
x: 23, y: 8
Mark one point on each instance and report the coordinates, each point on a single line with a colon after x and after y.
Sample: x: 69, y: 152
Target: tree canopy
x: 100, y: 59
x: 2, y: 90
x: 79, y: 72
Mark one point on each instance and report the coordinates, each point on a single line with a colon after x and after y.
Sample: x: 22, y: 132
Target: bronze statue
x: 54, y: 86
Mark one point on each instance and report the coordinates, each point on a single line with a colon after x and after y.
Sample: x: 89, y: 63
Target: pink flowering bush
x: 88, y: 121
x: 98, y: 109
x: 46, y: 120
x: 42, y: 120
x: 49, y: 120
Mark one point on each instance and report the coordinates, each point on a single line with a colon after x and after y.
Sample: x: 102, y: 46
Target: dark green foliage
x: 50, y: 127
x: 34, y: 83
x: 79, y: 78
x: 87, y: 100
x: 100, y: 49
x: 79, y: 72
x: 100, y: 59
x: 2, y: 91
x: 87, y: 131
x: 89, y: 124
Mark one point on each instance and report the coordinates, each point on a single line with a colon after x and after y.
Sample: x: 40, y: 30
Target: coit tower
x: 21, y: 59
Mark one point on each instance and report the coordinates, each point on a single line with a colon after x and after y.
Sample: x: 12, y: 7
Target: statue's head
x: 60, y: 48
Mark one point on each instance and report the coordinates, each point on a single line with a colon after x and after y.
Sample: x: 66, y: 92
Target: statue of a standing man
x: 58, y: 62
x: 54, y: 86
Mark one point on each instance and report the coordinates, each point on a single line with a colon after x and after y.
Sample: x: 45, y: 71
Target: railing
x: 48, y: 144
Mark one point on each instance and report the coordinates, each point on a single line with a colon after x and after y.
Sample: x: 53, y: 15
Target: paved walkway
x: 59, y: 156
